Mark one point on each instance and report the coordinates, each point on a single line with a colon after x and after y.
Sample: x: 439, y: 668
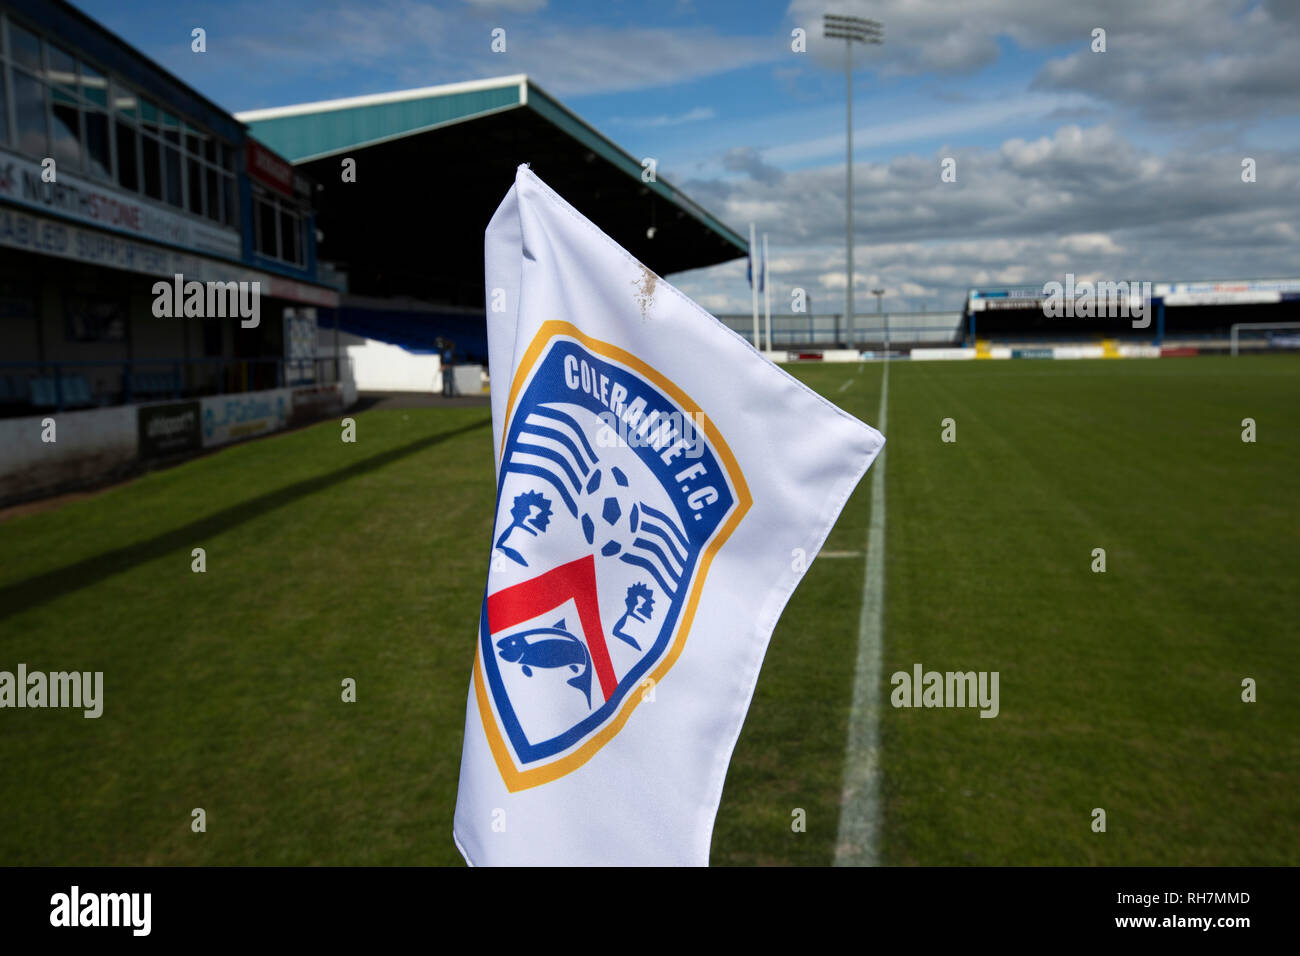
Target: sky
x: 1126, y: 163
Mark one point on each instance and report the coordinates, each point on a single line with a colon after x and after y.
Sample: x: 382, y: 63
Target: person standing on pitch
x: 448, y: 375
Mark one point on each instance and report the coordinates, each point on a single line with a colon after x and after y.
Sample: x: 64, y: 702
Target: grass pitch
x: 1119, y: 691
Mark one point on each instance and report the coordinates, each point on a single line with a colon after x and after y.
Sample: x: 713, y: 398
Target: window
x: 94, y: 87
x: 150, y: 150
x: 278, y: 228
x: 128, y: 167
x: 151, y: 163
x: 194, y: 181
x: 94, y: 98
x: 65, y: 130
x: 25, y: 48
x: 194, y: 170
x: 65, y: 125
x: 289, y: 233
x: 30, y: 134
x: 267, y: 243
x: 98, y: 160
x: 53, y: 104
x: 126, y: 116
x: 172, y: 176
x: 228, y: 200
x: 171, y: 159
x: 62, y: 74
x: 94, y: 318
x: 210, y: 178
x: 125, y: 104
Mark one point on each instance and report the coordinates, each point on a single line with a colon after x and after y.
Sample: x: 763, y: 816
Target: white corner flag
x: 660, y: 489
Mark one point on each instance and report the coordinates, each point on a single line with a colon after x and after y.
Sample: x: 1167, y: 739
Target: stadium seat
x: 43, y: 395
x: 76, y: 392
x: 152, y: 383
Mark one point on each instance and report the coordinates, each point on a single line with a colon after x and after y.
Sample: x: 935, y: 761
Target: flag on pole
x: 762, y: 271
x: 660, y: 489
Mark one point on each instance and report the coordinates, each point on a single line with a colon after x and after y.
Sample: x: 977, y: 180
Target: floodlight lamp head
x: 859, y: 29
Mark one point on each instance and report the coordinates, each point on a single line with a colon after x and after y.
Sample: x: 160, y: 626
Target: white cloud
x: 695, y: 115
x: 1176, y: 61
x: 1082, y: 200
x: 415, y: 44
x: 969, y: 118
x: 510, y: 6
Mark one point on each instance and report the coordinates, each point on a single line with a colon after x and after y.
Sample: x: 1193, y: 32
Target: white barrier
x: 88, y: 445
x: 382, y: 367
x: 944, y: 355
x: 1078, y: 352
x: 95, y: 444
x: 1139, y: 351
x: 468, y: 379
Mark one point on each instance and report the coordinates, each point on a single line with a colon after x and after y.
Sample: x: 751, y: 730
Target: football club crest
x: 614, y: 494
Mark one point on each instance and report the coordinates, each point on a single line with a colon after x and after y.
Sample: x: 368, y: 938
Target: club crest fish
x: 553, y: 647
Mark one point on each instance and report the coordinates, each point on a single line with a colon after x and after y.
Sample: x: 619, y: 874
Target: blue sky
x: 1123, y: 163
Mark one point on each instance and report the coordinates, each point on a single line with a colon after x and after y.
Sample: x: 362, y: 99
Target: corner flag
x: 660, y: 489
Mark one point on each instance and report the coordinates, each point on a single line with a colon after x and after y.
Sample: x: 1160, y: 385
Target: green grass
x: 327, y: 560
x: 1119, y: 690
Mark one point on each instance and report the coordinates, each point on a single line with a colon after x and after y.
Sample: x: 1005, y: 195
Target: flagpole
x: 753, y: 284
x: 767, y: 297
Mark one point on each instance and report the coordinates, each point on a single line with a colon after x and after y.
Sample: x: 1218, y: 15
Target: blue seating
x: 13, y: 390
x: 43, y: 395
x: 76, y: 392
x: 152, y: 383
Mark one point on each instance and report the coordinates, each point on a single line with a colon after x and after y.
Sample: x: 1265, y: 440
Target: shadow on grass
x: 32, y: 592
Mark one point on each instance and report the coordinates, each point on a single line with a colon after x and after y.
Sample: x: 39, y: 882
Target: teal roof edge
x: 302, y: 134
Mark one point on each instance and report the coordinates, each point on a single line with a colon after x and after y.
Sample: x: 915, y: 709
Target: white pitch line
x: 856, y: 842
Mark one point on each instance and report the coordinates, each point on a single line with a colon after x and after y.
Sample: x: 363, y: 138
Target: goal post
x: 1238, y: 326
